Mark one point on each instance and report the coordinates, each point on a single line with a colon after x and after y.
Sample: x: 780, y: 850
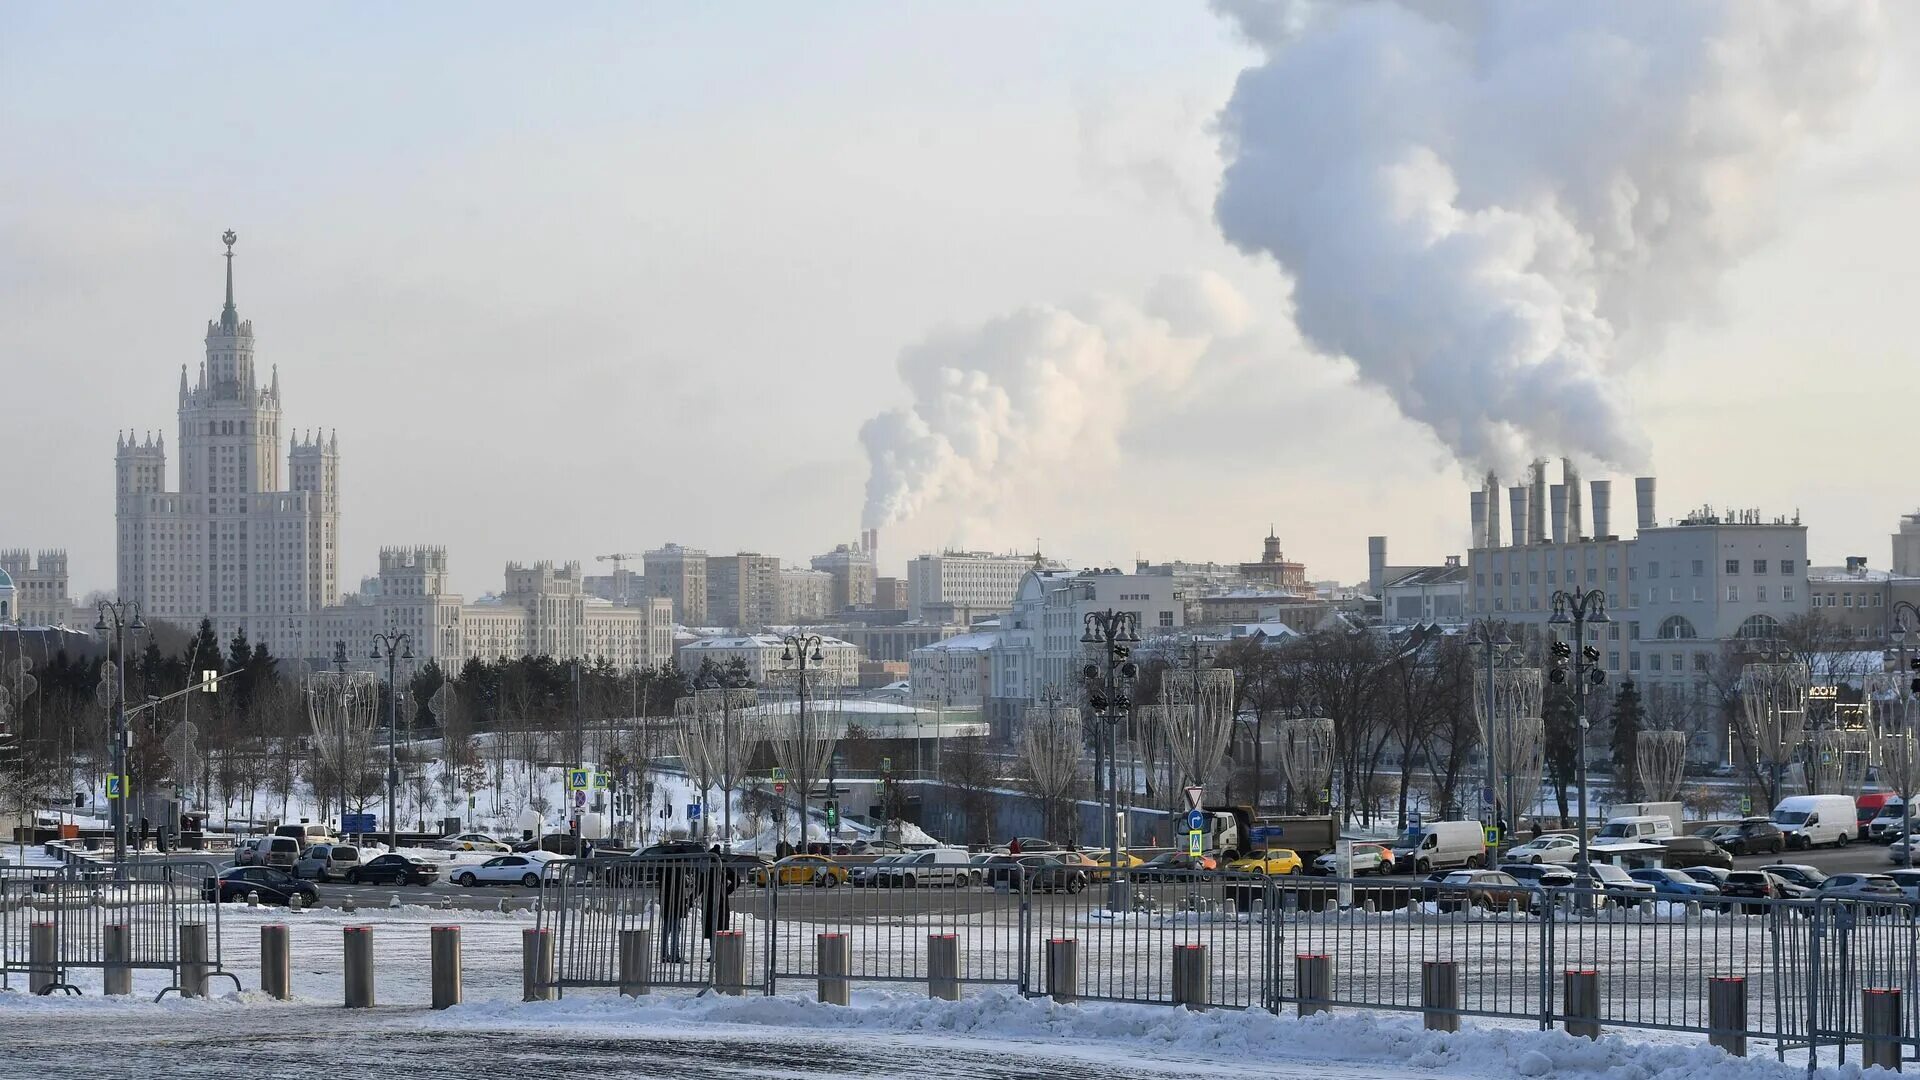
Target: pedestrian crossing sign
x: 577, y: 780
x: 602, y: 781
x: 113, y: 786
x: 1194, y: 839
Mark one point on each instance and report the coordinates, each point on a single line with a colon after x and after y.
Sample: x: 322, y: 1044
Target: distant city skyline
x: 619, y: 277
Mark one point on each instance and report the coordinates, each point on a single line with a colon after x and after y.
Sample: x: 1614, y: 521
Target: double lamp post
x: 1580, y: 609
x: 1110, y: 673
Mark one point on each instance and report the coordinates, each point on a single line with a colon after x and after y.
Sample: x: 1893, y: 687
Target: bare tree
x: 1050, y: 742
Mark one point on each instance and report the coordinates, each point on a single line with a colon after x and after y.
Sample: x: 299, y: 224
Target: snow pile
x: 1004, y: 1016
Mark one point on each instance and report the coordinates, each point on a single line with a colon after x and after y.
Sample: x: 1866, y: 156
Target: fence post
x: 536, y: 964
x: 444, y: 953
x: 1440, y: 995
x: 832, y: 956
x: 1880, y: 1023
x: 193, y: 959
x: 730, y: 962
x: 1582, y: 991
x: 943, y: 966
x: 118, y: 978
x: 276, y: 969
x: 1190, y: 971
x: 636, y: 956
x: 359, y: 966
x: 1063, y: 968
x: 40, y: 951
x: 1313, y: 981
x: 1727, y: 1013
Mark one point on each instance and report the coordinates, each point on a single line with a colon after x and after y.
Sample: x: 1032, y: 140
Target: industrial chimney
x: 1558, y: 494
x: 1517, y: 513
x: 1537, y: 503
x: 1477, y: 513
x: 1643, y: 498
x: 1376, y: 563
x: 1576, y: 519
x: 1602, y: 509
x: 1493, y: 538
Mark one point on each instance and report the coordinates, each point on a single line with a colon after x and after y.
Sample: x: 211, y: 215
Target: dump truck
x: 1236, y: 831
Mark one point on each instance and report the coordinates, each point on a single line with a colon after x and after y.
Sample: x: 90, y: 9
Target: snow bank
x: 1397, y: 1043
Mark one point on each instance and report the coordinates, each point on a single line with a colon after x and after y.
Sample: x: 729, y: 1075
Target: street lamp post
x: 396, y: 646
x: 1902, y: 609
x: 1498, y: 651
x: 804, y: 649
x: 125, y: 618
x: 1580, y: 608
x: 1110, y: 672
x: 340, y: 763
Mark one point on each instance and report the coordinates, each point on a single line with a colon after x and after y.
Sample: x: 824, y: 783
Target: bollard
x: 536, y: 965
x: 40, y: 950
x: 505, y: 906
x: 1440, y: 995
x: 1190, y: 976
x: 253, y: 898
x: 276, y: 962
x: 1063, y: 968
x: 118, y: 977
x: 193, y: 959
x: 1313, y: 976
x: 1727, y: 1014
x: 1880, y: 1024
x: 1582, y: 991
x: 943, y: 966
x: 359, y: 967
x: 636, y: 958
x: 444, y: 950
x: 347, y: 905
x: 730, y: 962
x: 832, y: 958
x: 296, y: 903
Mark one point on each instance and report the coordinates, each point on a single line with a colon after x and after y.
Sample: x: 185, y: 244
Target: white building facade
x: 967, y: 580
x: 838, y: 666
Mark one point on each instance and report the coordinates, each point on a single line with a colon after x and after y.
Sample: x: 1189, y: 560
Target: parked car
x: 1908, y: 880
x: 557, y: 843
x: 274, y: 886
x: 801, y: 870
x: 1674, y: 884
x: 1684, y: 851
x: 1890, y: 823
x: 1441, y: 844
x: 1028, y: 845
x: 875, y: 846
x: 307, y: 833
x: 1864, y: 887
x: 473, y: 841
x: 1897, y: 851
x: 1270, y: 861
x: 1634, y: 829
x: 1366, y: 859
x: 1103, y: 864
x: 324, y: 862
x: 873, y: 874
x: 1621, y: 885
x: 935, y: 866
x: 1492, y: 890
x: 1872, y: 805
x: 977, y: 866
x: 1801, y: 880
x: 1550, y: 848
x: 1042, y: 873
x: 1752, y: 836
x: 1174, y: 866
x: 1539, y: 875
x: 1753, y: 885
x: 1708, y: 875
x: 391, y: 869
x: 280, y: 851
x: 523, y: 868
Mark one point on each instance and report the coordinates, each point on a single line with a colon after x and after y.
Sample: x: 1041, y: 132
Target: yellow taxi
x: 1270, y: 861
x: 1102, y: 864
x: 801, y: 870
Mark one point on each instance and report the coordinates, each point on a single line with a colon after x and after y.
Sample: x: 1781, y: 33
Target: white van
x: 1440, y: 844
x: 280, y: 851
x: 935, y: 866
x: 1886, y: 826
x: 1635, y: 829
x: 1812, y: 820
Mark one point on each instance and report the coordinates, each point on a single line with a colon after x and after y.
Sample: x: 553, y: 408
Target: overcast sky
x: 570, y: 281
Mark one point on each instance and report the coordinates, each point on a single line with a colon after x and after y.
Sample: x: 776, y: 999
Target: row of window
x: 1846, y: 599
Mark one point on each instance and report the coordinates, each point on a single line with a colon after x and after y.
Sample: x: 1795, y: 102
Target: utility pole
x: 1580, y: 609
x: 396, y: 646
x: 126, y: 619
x: 1109, y: 674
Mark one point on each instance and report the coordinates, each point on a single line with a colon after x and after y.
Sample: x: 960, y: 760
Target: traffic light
x: 1562, y: 653
x: 833, y: 815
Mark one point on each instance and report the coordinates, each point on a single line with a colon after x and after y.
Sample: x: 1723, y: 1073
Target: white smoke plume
x: 1492, y: 208
x: 1044, y: 388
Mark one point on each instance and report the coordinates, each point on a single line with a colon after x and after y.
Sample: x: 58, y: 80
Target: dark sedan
x: 1171, y: 866
x: 1754, y: 836
x: 1753, y: 885
x: 1684, y: 851
x: 394, y: 870
x: 1042, y: 873
x: 274, y: 886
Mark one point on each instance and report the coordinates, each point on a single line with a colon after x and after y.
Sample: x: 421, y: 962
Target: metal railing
x: 72, y: 908
x: 1804, y: 964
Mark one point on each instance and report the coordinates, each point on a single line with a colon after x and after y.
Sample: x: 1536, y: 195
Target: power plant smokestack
x: 1558, y: 493
x: 1576, y: 520
x: 1376, y: 563
x: 1477, y: 513
x: 1537, y: 503
x: 1643, y: 498
x: 1602, y: 509
x: 1517, y: 513
x: 1493, y: 538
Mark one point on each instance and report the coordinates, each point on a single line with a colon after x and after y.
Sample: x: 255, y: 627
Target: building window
x: 1759, y: 627
x: 1166, y: 618
x: 1676, y: 627
x: 1653, y: 661
x: 1633, y: 661
x: 1613, y: 661
x: 1733, y: 594
x: 1876, y: 599
x: 1759, y: 566
x: 1733, y: 566
x: 1653, y: 568
x: 1633, y: 631
x: 1592, y: 575
x: 1759, y: 594
x: 1700, y: 661
x: 1786, y: 593
x: 1786, y: 566
x: 1699, y: 568
x: 1613, y: 573
x: 1848, y: 602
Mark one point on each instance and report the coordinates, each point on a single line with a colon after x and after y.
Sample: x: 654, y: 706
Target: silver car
x: 324, y: 862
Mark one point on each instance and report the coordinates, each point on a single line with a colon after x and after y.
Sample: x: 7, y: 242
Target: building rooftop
x: 1427, y: 575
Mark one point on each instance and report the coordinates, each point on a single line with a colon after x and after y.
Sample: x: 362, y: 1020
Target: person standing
x: 674, y: 902
x: 717, y: 898
x: 144, y: 826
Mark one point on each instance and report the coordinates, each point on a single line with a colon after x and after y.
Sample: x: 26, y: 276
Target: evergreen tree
x: 1628, y: 719
x: 1561, y: 720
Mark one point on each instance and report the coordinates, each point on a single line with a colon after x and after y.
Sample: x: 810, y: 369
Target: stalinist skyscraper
x: 233, y: 542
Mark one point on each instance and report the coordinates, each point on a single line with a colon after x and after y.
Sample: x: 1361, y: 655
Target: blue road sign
x: 1196, y: 819
x: 693, y: 811
x: 357, y: 823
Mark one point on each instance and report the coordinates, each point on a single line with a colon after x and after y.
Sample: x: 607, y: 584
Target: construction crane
x: 619, y: 560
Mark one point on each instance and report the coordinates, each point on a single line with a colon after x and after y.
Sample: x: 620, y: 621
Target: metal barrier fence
x: 77, y: 912
x: 1244, y: 941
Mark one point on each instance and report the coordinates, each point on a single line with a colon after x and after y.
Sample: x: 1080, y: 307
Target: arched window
x: 1676, y: 627
x: 1759, y: 627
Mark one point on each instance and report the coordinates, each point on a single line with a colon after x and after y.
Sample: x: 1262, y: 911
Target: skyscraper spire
x: 229, y: 318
